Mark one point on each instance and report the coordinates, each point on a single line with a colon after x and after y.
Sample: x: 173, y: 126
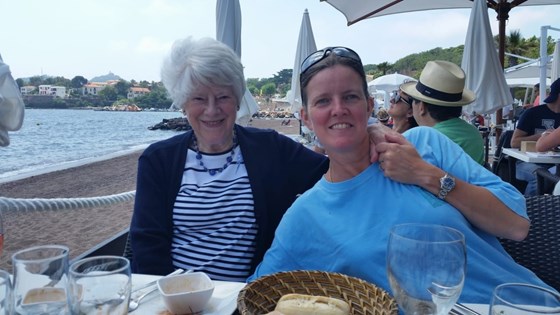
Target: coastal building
x: 93, y: 88
x: 26, y: 90
x: 137, y: 91
x: 53, y: 90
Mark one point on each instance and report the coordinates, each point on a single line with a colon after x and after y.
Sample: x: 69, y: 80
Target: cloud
x: 151, y: 45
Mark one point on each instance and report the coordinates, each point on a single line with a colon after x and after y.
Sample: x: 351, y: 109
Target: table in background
x: 541, y: 159
x: 222, y: 302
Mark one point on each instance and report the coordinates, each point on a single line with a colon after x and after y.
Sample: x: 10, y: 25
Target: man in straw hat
x: 438, y: 98
x: 530, y: 127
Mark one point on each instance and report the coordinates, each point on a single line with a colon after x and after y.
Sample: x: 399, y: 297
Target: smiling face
x: 337, y: 108
x: 212, y: 111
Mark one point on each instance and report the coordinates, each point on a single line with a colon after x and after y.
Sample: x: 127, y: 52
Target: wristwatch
x: 447, y: 183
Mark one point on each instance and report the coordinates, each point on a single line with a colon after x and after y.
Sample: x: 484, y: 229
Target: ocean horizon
x: 54, y: 139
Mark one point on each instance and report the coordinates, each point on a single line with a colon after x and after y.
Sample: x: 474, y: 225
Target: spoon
x: 134, y: 303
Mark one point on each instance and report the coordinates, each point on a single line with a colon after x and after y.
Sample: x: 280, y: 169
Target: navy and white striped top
x: 214, y: 226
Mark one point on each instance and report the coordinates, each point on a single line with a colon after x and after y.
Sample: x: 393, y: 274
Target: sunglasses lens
x: 322, y: 54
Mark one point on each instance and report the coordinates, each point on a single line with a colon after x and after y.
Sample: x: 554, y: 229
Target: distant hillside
x: 105, y: 78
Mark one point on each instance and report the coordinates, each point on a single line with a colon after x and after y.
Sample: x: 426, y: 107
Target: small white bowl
x: 186, y: 293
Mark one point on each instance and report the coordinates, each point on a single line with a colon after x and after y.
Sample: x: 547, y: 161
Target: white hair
x: 205, y: 62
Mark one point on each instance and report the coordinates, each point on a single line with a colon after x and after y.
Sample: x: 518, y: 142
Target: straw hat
x: 441, y: 83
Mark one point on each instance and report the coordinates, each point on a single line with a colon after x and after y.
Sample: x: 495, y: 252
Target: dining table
x: 222, y: 302
x: 535, y: 157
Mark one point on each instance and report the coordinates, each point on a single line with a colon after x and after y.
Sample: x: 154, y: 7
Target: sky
x: 130, y: 38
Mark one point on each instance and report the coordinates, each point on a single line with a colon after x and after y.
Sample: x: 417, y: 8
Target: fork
x: 460, y: 309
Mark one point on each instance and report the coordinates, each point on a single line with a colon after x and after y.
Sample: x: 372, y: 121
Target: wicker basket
x: 260, y: 296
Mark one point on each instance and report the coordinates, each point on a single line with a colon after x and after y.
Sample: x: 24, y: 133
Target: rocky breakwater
x: 177, y: 124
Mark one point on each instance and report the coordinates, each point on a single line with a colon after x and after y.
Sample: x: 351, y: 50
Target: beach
x: 81, y: 229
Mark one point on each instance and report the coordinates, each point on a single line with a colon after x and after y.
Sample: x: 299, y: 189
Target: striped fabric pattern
x: 214, y: 226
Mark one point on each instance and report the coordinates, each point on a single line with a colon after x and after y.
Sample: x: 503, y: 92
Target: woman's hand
x: 377, y: 133
x: 400, y: 161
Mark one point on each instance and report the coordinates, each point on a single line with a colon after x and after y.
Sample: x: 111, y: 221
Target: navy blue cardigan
x: 278, y: 168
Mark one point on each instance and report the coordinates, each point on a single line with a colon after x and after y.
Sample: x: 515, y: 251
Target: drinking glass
x: 40, y: 280
x: 100, y: 285
x: 524, y: 299
x: 426, y: 267
x: 5, y: 293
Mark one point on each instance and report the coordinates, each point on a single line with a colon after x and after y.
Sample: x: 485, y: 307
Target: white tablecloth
x: 223, y: 301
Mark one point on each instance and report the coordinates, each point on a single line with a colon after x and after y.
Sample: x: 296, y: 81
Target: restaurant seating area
x: 540, y: 251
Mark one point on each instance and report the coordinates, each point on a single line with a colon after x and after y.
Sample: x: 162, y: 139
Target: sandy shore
x: 83, y: 228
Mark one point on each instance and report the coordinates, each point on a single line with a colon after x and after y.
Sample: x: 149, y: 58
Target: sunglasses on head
x: 397, y: 97
x: 323, y: 53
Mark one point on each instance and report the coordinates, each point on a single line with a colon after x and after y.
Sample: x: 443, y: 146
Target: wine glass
x: 524, y: 299
x: 426, y: 267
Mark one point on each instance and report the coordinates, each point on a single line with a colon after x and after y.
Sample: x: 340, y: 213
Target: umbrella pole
x: 502, y: 9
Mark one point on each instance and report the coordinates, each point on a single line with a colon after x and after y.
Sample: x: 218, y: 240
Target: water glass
x: 100, y: 285
x: 426, y: 267
x: 40, y: 280
x: 5, y: 293
x: 524, y: 299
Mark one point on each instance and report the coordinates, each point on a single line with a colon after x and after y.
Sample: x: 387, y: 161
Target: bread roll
x: 300, y: 304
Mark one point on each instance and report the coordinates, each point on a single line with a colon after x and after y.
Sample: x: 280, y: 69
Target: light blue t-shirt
x: 344, y: 227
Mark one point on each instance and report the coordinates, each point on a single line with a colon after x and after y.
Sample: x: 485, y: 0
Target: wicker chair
x: 504, y: 165
x: 540, y: 251
x: 546, y: 181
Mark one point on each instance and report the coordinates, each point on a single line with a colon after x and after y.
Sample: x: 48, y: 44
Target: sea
x: 53, y: 139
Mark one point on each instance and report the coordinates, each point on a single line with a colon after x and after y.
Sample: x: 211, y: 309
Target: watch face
x: 448, y: 183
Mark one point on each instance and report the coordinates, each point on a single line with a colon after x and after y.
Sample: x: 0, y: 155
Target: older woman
x: 401, y: 112
x: 211, y: 198
x: 342, y: 224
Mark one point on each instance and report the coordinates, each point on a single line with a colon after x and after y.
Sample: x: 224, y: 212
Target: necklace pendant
x: 212, y: 172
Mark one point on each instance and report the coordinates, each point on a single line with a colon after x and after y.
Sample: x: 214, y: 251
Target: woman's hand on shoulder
x: 401, y: 162
x: 377, y: 135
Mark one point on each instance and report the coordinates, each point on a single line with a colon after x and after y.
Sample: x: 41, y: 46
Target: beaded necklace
x: 229, y: 159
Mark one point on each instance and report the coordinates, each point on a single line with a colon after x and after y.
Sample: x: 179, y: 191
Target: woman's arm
x: 548, y: 140
x: 402, y: 163
x: 150, y: 230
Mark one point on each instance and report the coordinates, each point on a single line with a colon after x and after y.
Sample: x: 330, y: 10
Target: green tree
x: 122, y: 88
x: 109, y: 93
x: 78, y: 82
x: 384, y: 67
x: 20, y: 82
x: 515, y: 44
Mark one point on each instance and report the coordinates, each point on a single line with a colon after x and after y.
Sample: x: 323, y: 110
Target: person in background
x: 549, y: 140
x: 477, y: 119
x: 532, y: 123
x: 438, y: 104
x: 210, y: 199
x: 384, y: 118
x: 401, y: 112
x: 342, y: 225
x: 536, y: 91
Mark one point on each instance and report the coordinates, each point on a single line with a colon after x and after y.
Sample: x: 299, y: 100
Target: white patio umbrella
x: 555, y: 68
x: 387, y: 84
x: 484, y: 72
x: 358, y: 10
x: 11, y: 105
x: 228, y: 31
x: 306, y: 46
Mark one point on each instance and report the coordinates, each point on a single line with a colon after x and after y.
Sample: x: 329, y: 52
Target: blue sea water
x: 57, y: 138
